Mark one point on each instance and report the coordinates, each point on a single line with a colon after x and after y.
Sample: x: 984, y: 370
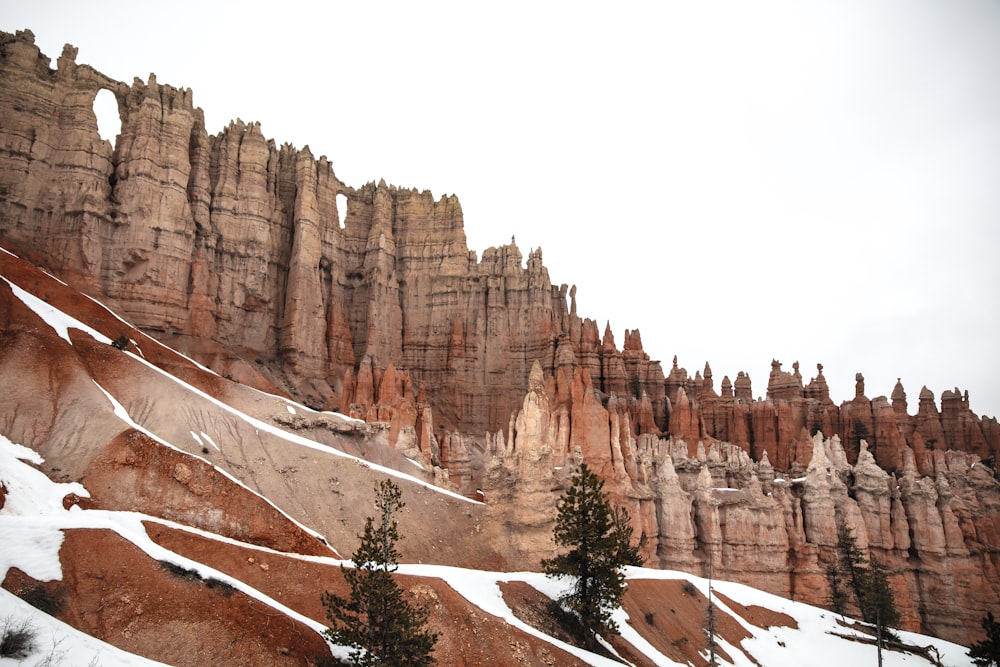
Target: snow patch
x: 122, y: 414
x: 210, y: 441
x: 30, y: 491
x: 31, y: 538
x: 58, y: 280
x: 60, y: 322
x: 32, y: 546
x: 61, y: 642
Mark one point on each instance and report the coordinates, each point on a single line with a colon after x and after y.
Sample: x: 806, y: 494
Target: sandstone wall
x: 709, y: 502
x: 231, y: 239
x: 232, y: 248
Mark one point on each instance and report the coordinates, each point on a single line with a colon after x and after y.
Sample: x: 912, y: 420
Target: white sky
x: 740, y: 181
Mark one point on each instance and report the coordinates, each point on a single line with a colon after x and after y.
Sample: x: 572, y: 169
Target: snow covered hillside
x: 168, y: 519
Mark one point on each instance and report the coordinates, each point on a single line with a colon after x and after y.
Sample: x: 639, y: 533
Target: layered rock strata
x: 232, y: 248
x: 233, y: 239
x: 708, y: 506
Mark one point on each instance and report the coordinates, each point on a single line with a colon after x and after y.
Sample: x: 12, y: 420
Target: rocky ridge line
x: 231, y: 249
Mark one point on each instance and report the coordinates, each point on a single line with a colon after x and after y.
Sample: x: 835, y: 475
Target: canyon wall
x: 230, y: 239
x: 232, y: 249
x: 710, y: 506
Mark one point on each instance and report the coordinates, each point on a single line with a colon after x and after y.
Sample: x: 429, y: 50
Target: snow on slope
x: 61, y: 322
x: 815, y: 642
x: 33, y: 517
x: 59, y: 643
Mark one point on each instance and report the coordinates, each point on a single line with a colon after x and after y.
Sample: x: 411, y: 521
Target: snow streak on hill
x: 36, y: 512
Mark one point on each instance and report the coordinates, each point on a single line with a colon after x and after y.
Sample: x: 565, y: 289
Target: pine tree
x: 869, y: 582
x: 987, y: 652
x: 627, y: 552
x: 878, y: 603
x: 375, y: 619
x: 711, y: 644
x: 599, y: 539
x: 852, y: 561
x: 838, y: 596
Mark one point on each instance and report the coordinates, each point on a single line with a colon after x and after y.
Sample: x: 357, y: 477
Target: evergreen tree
x: 628, y: 553
x: 599, y: 539
x: 838, y: 596
x: 851, y: 560
x: 711, y: 644
x: 878, y: 603
x: 375, y: 619
x: 869, y: 582
x: 987, y: 652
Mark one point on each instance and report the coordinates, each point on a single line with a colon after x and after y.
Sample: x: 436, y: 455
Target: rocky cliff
x: 232, y: 249
x: 231, y: 239
x: 708, y: 505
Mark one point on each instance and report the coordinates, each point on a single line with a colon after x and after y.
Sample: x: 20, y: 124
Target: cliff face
x: 231, y: 239
x: 232, y: 249
x: 709, y: 502
x: 782, y: 425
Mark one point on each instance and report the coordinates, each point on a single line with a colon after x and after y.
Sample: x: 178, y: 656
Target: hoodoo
x: 479, y: 370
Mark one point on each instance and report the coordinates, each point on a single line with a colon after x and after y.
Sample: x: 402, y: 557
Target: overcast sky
x: 740, y: 181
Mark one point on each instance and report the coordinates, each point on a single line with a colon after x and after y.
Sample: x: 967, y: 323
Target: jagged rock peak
x: 898, y: 393
x: 782, y: 385
x: 536, y: 378
x: 742, y: 387
x: 819, y: 460
x: 608, y: 340
x: 817, y: 387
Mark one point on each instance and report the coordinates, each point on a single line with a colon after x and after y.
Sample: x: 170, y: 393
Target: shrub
x: 17, y: 638
x: 223, y: 587
x: 180, y: 571
x: 41, y: 598
x: 121, y: 342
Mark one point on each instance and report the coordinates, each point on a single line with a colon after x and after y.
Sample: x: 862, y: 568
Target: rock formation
x: 231, y: 249
x: 232, y: 239
x: 709, y: 502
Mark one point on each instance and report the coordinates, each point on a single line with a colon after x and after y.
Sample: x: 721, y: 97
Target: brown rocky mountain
x: 231, y: 249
